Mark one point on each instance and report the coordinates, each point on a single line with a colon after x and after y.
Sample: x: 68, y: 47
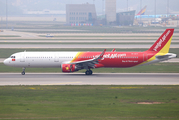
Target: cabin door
x: 56, y: 58
x: 22, y: 59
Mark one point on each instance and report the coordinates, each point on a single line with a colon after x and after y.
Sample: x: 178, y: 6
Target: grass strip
x: 153, y: 68
x: 89, y: 102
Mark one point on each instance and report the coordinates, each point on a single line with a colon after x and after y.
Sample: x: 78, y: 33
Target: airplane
x: 142, y: 11
x: 141, y: 14
x: 75, y: 61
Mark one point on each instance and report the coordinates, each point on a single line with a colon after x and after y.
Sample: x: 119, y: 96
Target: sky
x: 18, y: 6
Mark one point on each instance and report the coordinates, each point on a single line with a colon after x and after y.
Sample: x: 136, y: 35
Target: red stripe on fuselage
x: 116, y: 59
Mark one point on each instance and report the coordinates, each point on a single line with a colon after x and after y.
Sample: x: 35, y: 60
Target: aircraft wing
x: 89, y: 63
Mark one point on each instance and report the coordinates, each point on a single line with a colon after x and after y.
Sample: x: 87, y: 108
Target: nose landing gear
x: 89, y: 72
x: 23, y: 72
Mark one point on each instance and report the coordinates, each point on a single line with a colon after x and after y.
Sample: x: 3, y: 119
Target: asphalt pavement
x: 95, y: 79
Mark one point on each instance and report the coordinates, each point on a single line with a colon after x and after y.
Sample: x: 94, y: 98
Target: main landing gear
x: 89, y: 72
x: 23, y: 72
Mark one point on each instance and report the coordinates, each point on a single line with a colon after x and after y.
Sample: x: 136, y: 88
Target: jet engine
x: 68, y: 68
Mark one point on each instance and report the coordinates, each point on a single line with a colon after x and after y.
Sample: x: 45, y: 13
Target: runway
x: 95, y: 79
x: 23, y: 34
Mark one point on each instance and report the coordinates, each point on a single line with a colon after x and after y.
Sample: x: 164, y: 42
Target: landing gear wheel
x: 89, y: 72
x: 23, y: 73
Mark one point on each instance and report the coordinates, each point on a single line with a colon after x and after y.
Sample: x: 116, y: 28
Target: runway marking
x: 149, y: 103
x: 64, y: 83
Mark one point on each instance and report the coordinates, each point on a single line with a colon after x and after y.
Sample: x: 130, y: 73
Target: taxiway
x: 95, y: 79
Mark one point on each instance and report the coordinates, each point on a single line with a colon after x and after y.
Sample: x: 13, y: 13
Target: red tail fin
x: 142, y: 11
x: 163, y: 42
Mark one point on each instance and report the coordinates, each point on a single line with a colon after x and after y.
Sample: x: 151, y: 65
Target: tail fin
x: 142, y: 11
x: 162, y: 45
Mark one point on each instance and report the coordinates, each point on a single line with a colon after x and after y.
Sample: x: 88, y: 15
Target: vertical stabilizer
x: 142, y: 11
x: 162, y: 45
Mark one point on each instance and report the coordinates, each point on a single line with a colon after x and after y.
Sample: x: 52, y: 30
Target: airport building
x: 125, y: 18
x: 85, y: 14
x: 80, y: 14
x: 110, y: 11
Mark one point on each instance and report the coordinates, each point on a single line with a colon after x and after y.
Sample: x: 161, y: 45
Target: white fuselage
x: 40, y: 59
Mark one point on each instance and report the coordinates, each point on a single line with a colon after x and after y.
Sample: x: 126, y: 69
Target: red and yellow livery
x: 74, y: 61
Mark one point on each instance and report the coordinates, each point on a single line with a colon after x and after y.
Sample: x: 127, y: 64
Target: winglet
x: 101, y: 56
x: 162, y: 45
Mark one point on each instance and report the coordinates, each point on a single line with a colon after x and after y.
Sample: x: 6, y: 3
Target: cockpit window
x: 13, y: 56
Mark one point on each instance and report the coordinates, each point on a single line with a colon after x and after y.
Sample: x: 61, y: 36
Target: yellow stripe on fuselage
x: 76, y: 56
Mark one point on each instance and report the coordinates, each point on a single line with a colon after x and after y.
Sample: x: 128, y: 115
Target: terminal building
x: 85, y: 14
x: 125, y: 18
x: 79, y: 14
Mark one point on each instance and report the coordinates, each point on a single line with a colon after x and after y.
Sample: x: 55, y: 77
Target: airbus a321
x: 75, y: 61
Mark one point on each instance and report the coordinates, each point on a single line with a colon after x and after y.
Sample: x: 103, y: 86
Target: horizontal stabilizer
x: 166, y: 57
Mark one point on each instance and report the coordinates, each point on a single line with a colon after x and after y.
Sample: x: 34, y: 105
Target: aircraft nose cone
x: 5, y: 61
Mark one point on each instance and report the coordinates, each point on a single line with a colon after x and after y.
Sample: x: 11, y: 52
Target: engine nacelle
x: 68, y: 68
